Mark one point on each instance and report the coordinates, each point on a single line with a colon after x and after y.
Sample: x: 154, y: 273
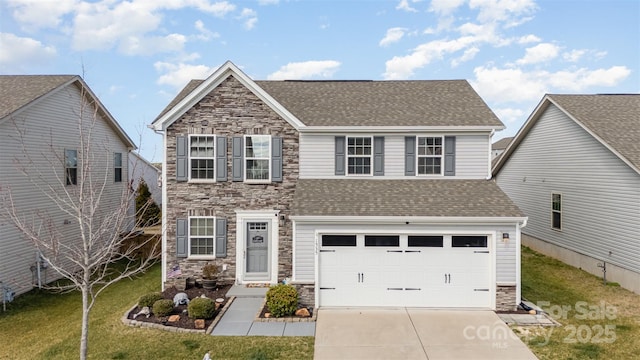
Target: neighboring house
x: 499, y: 146
x: 140, y: 168
x: 359, y: 193
x: 39, y: 117
x: 574, y: 169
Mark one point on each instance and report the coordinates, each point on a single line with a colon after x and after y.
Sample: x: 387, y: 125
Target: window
x: 71, y: 166
x: 429, y: 155
x: 381, y: 240
x: 202, y: 157
x: 338, y: 240
x: 359, y: 153
x: 556, y: 211
x: 117, y: 167
x: 425, y: 241
x: 201, y: 236
x: 469, y: 241
x: 258, y: 157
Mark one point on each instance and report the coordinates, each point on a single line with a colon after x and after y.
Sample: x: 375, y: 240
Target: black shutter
x: 449, y: 155
x: 182, y: 151
x: 276, y: 159
x: 340, y: 155
x: 410, y: 156
x: 181, y: 238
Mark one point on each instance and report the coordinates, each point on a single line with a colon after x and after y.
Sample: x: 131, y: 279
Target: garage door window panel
x: 338, y: 240
x: 469, y: 241
x: 425, y: 241
x: 382, y: 240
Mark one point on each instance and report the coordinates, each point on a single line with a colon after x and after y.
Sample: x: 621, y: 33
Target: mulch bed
x: 185, y: 322
x: 265, y: 310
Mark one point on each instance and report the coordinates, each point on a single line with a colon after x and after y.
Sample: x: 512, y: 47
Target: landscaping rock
x: 303, y: 312
x: 267, y: 315
x: 199, y: 323
x: 174, y: 318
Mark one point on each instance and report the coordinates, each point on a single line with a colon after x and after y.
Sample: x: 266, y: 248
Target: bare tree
x: 97, y: 210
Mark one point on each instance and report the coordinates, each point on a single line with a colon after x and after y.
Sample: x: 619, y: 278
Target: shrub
x: 162, y: 307
x: 201, y: 308
x: 149, y: 299
x: 282, y: 300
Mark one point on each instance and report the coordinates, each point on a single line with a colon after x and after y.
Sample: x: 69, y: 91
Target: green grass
x: 39, y: 325
x: 563, y: 287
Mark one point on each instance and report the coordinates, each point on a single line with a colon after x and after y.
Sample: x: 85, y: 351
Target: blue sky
x: 137, y: 54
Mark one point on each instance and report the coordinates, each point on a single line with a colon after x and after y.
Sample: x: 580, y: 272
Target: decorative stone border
x: 135, y: 323
x: 284, y: 319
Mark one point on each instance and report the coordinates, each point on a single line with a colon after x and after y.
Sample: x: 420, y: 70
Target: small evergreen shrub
x: 282, y: 300
x: 201, y: 308
x: 162, y: 307
x: 149, y: 299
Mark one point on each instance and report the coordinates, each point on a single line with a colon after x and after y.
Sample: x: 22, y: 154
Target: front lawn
x: 47, y: 326
x: 599, y: 321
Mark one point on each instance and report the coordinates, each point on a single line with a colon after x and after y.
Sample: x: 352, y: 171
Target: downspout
x: 38, y: 266
x: 489, y: 153
x: 519, y: 226
x: 163, y: 256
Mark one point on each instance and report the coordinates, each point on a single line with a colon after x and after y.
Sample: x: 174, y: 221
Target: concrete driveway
x: 415, y: 334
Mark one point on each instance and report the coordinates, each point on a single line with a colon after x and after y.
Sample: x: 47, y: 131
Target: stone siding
x: 506, y: 298
x: 230, y: 110
x: 306, y: 294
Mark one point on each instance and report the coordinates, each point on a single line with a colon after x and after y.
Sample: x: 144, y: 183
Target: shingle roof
x: 17, y: 91
x: 364, y: 197
x: 376, y: 103
x: 501, y: 144
x: 613, y: 118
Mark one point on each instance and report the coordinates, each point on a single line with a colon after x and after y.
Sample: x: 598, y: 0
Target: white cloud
x: 509, y: 115
x: 205, y: 34
x: 393, y: 35
x: 268, y: 2
x: 527, y: 39
x: 468, y: 54
x: 539, y: 53
x: 306, y: 70
x: 445, y: 6
x: 178, y: 75
x: 573, y: 55
x: 39, y: 14
x: 134, y: 45
x: 502, y: 10
x: 24, y: 51
x: 250, y: 17
x: 404, y: 5
x: 515, y: 85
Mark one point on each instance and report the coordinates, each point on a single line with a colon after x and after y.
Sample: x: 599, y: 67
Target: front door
x: 257, y: 251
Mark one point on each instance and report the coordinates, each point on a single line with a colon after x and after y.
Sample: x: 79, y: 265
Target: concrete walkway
x: 238, y: 320
x: 415, y: 334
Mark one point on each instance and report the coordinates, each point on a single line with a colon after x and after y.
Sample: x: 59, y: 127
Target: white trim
x: 213, y: 237
x: 410, y: 219
x: 214, y: 80
x: 409, y: 130
x: 518, y: 263
x: 189, y: 157
x: 293, y: 249
x: 346, y: 156
x: 244, y: 216
x: 418, y: 156
x: 245, y: 158
x: 164, y: 254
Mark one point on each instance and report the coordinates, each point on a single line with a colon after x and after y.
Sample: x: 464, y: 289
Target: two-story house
x: 361, y: 193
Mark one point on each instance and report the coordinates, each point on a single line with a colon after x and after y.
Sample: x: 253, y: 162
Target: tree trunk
x: 84, y: 337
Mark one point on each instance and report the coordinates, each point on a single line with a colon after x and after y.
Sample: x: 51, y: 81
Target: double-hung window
x: 117, y: 167
x: 359, y: 155
x: 258, y: 158
x: 556, y: 211
x: 202, y: 157
x: 71, y: 166
x: 430, y: 150
x: 201, y: 236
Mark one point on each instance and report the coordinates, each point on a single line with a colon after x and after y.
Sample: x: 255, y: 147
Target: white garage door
x: 407, y: 270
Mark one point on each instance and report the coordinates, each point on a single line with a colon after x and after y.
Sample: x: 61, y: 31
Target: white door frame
x: 242, y: 218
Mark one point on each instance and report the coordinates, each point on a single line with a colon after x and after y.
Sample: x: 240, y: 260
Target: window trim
x: 487, y: 240
x: 347, y: 156
x: 189, y: 158
x: 66, y: 168
x: 116, y: 167
x: 213, y: 237
x: 247, y: 158
x: 553, y: 211
x: 418, y: 156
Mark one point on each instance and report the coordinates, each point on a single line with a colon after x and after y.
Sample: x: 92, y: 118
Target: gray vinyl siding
x: 600, y: 193
x: 51, y: 120
x: 304, y: 244
x: 317, y: 158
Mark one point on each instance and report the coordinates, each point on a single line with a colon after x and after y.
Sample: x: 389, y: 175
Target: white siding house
x: 141, y: 168
x: 39, y: 123
x: 574, y: 170
x: 369, y: 193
